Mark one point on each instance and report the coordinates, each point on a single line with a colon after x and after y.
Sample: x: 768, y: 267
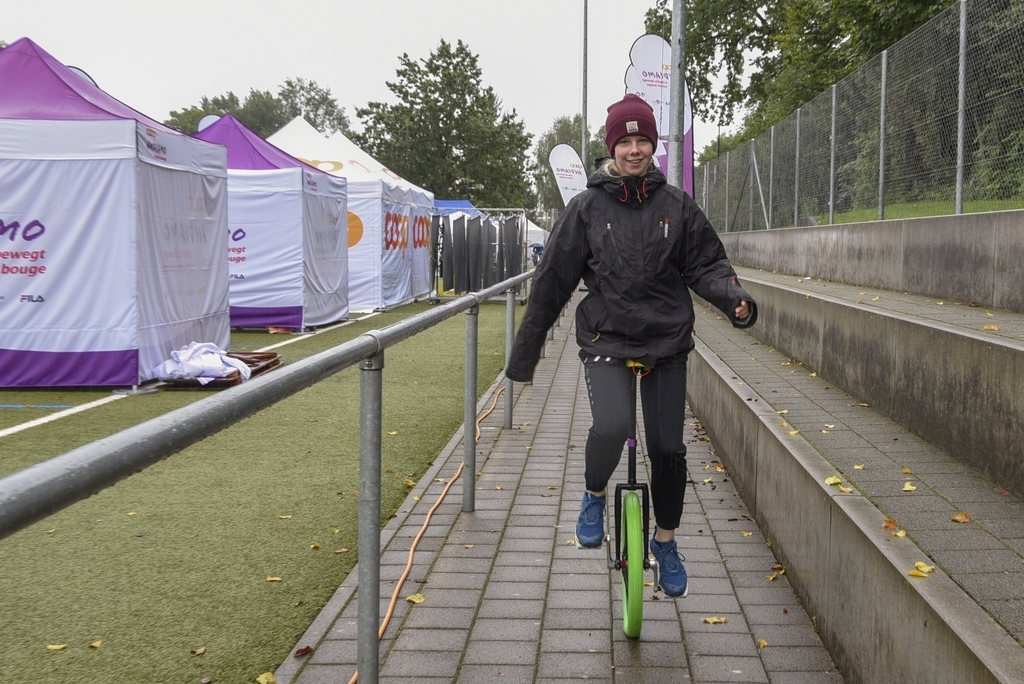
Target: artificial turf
x: 176, y: 558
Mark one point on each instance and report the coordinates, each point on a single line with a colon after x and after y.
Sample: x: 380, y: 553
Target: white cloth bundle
x: 202, y: 361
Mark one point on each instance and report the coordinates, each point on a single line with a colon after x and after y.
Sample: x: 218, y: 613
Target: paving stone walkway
x: 509, y: 598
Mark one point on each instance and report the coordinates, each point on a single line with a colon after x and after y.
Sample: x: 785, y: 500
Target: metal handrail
x: 33, y: 494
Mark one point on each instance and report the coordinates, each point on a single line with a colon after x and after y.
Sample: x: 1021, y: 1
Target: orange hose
x: 423, y: 529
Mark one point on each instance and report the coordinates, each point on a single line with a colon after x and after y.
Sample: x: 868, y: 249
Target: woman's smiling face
x: 633, y: 155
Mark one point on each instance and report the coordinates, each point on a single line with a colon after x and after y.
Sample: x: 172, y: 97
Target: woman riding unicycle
x: 639, y: 245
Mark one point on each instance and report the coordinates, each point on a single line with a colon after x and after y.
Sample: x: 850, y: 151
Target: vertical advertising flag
x: 649, y: 75
x: 569, y: 172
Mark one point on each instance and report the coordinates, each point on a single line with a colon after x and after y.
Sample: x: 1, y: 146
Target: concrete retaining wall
x: 879, y: 624
x: 967, y: 258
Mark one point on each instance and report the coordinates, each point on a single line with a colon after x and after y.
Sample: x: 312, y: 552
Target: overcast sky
x: 158, y: 57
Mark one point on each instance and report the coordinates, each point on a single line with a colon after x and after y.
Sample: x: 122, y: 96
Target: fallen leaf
x: 772, y: 577
x: 96, y: 644
x: 747, y: 534
x: 761, y: 643
x: 917, y: 573
x: 715, y: 620
x: 783, y: 411
x: 409, y: 483
x: 845, y: 490
x: 335, y: 530
x: 858, y: 466
x: 285, y: 517
x: 708, y: 480
x: 305, y: 650
x: 908, y: 471
x: 991, y: 326
x: 415, y: 598
x: 416, y: 498
x: 56, y: 647
x: 924, y: 567
x: 552, y: 487
x: 199, y: 651
x: 468, y: 546
x: 909, y: 487
x: 315, y: 545
x: 900, y: 533
x: 206, y: 680
x: 707, y: 467
x: 393, y: 432
x: 50, y: 531
x: 864, y: 405
x: 814, y: 375
x: 824, y: 432
x: 830, y: 426
x: 793, y: 432
x: 961, y: 517
x: 498, y: 487
x: 271, y: 578
x: 940, y: 303
x: 131, y: 513
x: 889, y: 524
x: 266, y: 678
x: 834, y: 480
x: 342, y: 550
x: 780, y: 568
x: 875, y: 298
x: 783, y: 424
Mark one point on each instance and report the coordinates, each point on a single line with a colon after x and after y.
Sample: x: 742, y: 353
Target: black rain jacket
x: 638, y: 244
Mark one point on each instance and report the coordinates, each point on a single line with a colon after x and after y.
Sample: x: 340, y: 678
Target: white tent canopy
x: 388, y: 218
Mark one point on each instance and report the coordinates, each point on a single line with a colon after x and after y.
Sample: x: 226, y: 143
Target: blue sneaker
x: 590, y: 526
x: 671, y: 573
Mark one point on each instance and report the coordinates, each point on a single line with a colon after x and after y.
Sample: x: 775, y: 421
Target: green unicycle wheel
x: 631, y: 546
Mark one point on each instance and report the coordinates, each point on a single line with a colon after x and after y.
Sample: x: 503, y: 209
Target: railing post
x: 750, y: 178
x: 469, y: 415
x: 881, y: 136
x: 370, y: 403
x: 510, y: 336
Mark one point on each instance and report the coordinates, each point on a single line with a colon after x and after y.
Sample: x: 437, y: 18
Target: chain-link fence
x: 934, y: 125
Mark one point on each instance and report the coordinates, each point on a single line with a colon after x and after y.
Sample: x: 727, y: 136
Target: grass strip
x: 176, y: 558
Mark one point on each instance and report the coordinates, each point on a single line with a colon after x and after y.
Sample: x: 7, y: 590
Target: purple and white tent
x: 113, y: 231
x: 288, y: 234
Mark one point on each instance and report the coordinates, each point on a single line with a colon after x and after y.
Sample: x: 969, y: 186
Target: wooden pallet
x: 258, y: 363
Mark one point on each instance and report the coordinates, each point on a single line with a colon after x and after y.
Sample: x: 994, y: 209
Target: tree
x: 264, y: 114
x: 720, y: 35
x: 796, y: 49
x: 315, y: 104
x: 448, y: 133
x: 570, y: 132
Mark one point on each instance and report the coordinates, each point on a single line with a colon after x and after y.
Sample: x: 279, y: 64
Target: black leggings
x: 663, y: 396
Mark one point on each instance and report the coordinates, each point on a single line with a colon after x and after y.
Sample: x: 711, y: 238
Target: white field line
x: 107, y: 400
x: 60, y: 414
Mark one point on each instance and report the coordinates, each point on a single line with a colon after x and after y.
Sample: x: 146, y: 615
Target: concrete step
x: 814, y: 398
x: 949, y: 372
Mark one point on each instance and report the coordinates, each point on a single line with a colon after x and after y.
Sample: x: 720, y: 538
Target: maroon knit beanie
x: 629, y: 116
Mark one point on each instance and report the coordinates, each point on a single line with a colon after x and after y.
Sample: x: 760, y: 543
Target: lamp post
x: 584, y: 141
x: 678, y: 95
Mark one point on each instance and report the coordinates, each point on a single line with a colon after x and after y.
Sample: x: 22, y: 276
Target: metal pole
x: 750, y: 183
x: 961, y: 109
x: 726, y: 189
x: 796, y: 173
x: 583, y: 144
x: 510, y: 336
x: 881, y: 136
x: 370, y: 393
x: 771, y: 179
x: 469, y: 414
x: 677, y: 95
x: 832, y: 165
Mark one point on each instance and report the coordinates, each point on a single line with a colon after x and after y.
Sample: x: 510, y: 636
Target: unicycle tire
x: 631, y: 546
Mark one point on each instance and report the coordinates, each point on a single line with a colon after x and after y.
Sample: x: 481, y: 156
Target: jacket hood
x: 629, y: 190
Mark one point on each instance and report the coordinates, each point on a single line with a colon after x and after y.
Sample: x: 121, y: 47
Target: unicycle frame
x: 631, y: 484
